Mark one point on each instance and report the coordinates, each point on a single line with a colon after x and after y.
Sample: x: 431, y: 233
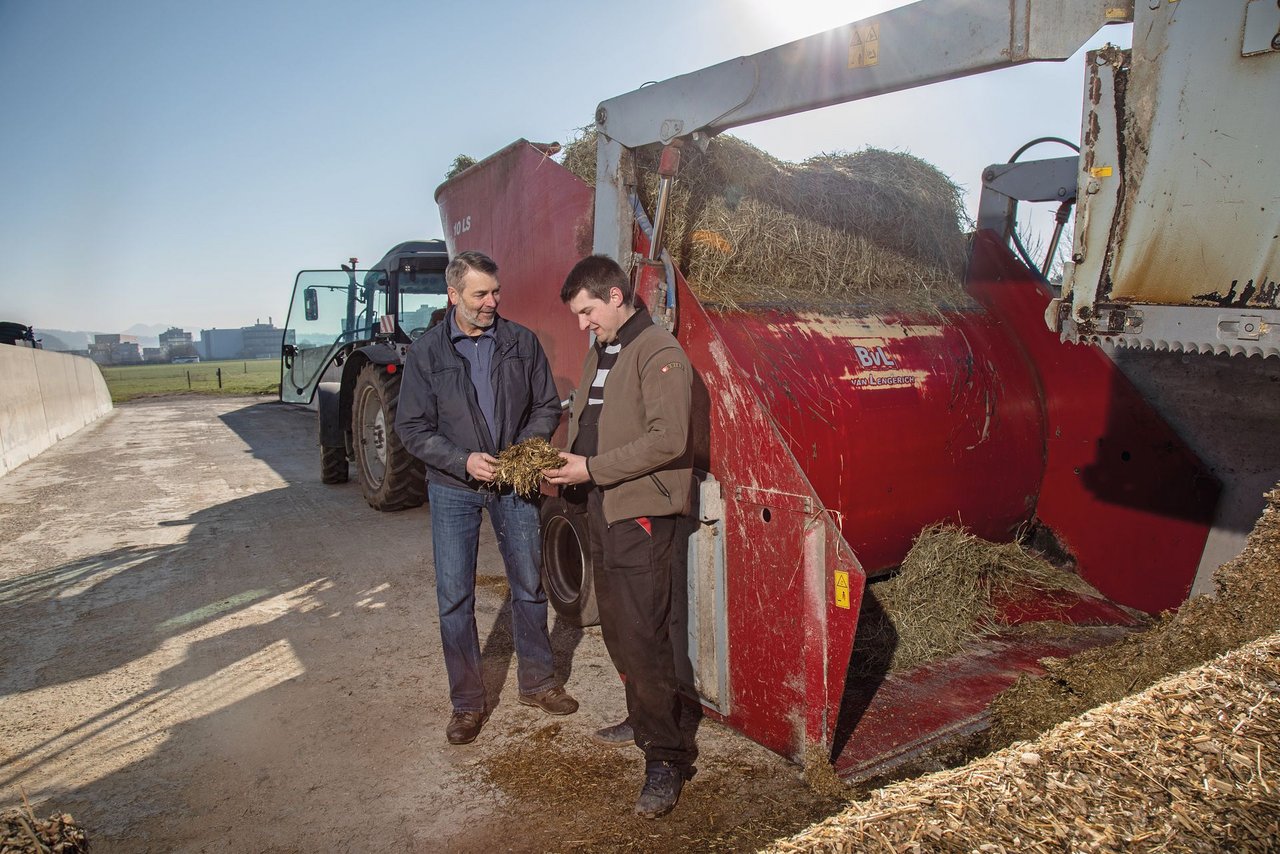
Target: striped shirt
x: 587, y: 441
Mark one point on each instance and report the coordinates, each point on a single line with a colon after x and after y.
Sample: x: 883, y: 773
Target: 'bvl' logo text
x: 876, y: 358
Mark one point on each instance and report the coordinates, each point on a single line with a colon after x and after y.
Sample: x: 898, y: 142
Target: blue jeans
x: 455, y: 537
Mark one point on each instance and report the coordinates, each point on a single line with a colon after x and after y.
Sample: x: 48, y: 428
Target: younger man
x: 629, y: 435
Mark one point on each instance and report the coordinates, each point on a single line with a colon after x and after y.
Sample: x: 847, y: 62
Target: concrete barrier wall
x: 44, y: 397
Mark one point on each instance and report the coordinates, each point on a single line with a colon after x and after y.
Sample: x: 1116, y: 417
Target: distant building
x: 174, y: 337
x: 155, y: 354
x: 259, y: 341
x: 262, y: 341
x: 220, y: 344
x: 177, y: 344
x: 115, y: 350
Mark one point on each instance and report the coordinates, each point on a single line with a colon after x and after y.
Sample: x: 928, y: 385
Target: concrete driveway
x: 206, y: 649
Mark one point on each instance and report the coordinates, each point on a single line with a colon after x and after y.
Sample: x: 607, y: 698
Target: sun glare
x: 786, y: 21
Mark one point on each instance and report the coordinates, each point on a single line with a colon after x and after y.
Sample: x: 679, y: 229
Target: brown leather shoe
x: 465, y: 726
x: 553, y: 701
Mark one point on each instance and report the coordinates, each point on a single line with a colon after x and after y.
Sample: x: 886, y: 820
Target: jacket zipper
x: 658, y: 483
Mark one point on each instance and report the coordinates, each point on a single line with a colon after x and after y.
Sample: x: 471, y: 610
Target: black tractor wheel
x: 333, y: 465
x: 390, y: 477
x: 567, y: 571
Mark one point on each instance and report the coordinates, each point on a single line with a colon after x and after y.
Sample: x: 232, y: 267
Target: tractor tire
x: 390, y: 477
x: 567, y: 570
x: 333, y: 465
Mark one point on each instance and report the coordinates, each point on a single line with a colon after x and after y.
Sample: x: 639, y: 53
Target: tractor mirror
x: 310, y: 304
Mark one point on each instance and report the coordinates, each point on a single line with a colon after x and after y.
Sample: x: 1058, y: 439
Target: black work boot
x: 662, y: 784
x: 615, y: 736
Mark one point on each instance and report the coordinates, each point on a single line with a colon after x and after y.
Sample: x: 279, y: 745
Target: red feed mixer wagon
x: 826, y: 438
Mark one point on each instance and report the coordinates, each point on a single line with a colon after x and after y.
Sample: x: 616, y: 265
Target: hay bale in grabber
x: 865, y: 370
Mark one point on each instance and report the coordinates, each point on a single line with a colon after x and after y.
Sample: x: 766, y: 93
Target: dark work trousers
x: 632, y: 569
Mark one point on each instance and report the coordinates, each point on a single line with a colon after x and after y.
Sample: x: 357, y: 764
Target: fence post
x: 219, y: 377
x: 188, y: 379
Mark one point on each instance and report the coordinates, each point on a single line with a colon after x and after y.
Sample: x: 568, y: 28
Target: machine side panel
x: 1177, y: 238
x: 1126, y: 496
x: 790, y: 627
x: 900, y: 421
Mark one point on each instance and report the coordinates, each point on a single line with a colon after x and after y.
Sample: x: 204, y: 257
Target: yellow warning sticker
x: 842, y: 589
x: 1100, y: 172
x: 864, y: 46
x: 1116, y: 14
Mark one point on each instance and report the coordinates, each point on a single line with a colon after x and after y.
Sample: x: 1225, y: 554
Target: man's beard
x: 476, y: 319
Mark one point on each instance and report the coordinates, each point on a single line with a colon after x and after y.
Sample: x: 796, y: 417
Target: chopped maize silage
x: 1189, y: 764
x: 944, y: 596
x: 870, y: 229
x: 521, y: 465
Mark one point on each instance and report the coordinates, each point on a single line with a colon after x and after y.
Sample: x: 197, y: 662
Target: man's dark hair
x: 463, y: 263
x: 597, y: 275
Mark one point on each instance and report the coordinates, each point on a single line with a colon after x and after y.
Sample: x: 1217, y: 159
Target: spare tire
x: 567, y: 569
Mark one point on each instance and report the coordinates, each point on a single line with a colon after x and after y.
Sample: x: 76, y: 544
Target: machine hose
x: 1017, y: 241
x: 668, y: 268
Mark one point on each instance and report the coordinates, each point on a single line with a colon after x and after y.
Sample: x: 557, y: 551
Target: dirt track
x: 202, y: 648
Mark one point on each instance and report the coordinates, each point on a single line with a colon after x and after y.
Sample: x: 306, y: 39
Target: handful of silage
x: 521, y: 466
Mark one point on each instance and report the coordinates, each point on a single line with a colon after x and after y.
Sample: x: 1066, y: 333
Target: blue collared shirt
x: 478, y: 352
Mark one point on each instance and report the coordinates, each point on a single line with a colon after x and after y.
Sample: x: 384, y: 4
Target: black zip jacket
x: 439, y: 419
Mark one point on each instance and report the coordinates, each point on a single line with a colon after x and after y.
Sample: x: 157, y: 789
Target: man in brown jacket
x: 629, y: 436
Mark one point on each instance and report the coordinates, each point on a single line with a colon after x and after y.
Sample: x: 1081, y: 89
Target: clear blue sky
x: 173, y: 162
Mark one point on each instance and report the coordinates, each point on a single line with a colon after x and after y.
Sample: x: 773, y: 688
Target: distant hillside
x: 152, y: 332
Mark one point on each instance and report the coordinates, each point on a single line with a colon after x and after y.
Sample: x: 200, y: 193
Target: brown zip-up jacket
x: 642, y: 460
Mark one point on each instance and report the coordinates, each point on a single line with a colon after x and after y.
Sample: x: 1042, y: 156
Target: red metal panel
x: 907, y: 714
x: 789, y: 640
x: 900, y: 421
x: 1123, y: 492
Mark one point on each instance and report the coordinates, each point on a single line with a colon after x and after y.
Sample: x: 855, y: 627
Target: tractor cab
x: 336, y: 312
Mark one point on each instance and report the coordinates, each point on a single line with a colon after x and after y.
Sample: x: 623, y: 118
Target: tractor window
x: 423, y: 297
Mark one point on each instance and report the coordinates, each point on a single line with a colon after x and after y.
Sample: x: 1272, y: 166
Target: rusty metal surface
x: 1179, y: 192
x: 1201, y: 207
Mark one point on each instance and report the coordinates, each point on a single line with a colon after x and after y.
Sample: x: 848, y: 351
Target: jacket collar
x: 635, y: 324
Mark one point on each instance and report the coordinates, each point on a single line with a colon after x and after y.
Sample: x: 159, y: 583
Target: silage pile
x: 1190, y: 764
x: 946, y: 595
x: 869, y: 229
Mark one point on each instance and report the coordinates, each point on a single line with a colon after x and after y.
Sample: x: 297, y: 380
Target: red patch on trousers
x: 643, y: 522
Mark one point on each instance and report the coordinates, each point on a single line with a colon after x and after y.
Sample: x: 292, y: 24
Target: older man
x: 473, y: 385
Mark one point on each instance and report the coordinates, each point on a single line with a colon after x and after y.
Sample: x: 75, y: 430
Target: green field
x: 239, y: 376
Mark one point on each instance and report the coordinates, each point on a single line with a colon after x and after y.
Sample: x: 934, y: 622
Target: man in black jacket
x: 473, y: 385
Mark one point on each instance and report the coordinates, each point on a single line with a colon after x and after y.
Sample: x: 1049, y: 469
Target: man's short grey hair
x: 465, y: 262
